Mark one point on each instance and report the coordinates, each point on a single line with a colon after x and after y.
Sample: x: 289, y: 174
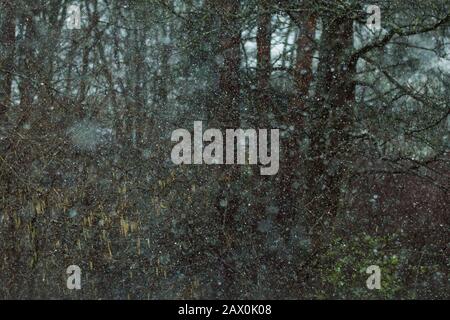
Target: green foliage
x: 345, y: 263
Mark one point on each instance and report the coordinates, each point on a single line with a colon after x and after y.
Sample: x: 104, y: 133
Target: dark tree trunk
x: 291, y: 162
x: 87, y: 48
x: 26, y: 89
x: 263, y: 71
x: 7, y: 43
x: 228, y: 113
x: 331, y: 116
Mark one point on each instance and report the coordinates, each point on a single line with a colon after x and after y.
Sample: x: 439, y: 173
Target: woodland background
x: 86, y: 177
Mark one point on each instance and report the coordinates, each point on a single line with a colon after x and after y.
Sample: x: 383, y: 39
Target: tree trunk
x: 291, y: 164
x: 330, y: 119
x: 26, y: 89
x: 228, y: 113
x: 263, y: 70
x: 7, y: 42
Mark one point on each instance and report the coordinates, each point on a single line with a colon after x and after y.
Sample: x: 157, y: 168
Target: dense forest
x: 87, y: 111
